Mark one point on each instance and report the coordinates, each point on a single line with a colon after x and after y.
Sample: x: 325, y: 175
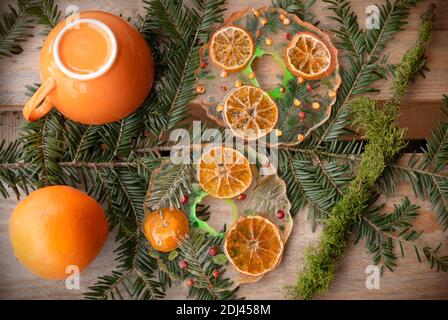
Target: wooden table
x: 420, y: 113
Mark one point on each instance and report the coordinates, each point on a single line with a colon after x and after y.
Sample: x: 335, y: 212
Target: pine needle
x: 385, y: 141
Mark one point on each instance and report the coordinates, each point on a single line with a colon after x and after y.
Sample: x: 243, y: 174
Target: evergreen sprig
x: 141, y: 274
x: 188, y: 28
x: 315, y: 181
x: 105, y: 161
x: 15, y: 28
x: 46, y: 12
x: 43, y: 149
x: 136, y: 277
x: 424, y: 171
x: 13, y: 175
x: 301, y: 8
x: 385, y: 141
x: 195, y: 250
x: 170, y: 187
x: 16, y: 25
x: 366, y: 64
x: 365, y: 59
x: 435, y: 259
x: 383, y: 232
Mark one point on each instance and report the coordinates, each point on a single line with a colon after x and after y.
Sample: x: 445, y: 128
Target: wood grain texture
x: 420, y: 113
x: 411, y: 280
x: 23, y: 68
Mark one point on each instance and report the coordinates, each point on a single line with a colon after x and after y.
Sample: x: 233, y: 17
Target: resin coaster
x: 303, y: 105
x: 265, y: 197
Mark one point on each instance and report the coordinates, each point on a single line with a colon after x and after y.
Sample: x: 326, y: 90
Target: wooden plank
x: 412, y: 280
x: 419, y: 118
x: 10, y: 124
x: 420, y: 112
x: 23, y: 68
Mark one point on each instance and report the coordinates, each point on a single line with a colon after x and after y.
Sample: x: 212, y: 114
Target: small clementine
x: 55, y: 227
x: 164, y: 228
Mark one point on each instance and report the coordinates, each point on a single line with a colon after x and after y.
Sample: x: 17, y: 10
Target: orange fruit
x: 253, y: 245
x: 224, y: 172
x: 250, y: 112
x: 309, y: 57
x: 231, y: 48
x: 56, y: 227
x: 164, y: 228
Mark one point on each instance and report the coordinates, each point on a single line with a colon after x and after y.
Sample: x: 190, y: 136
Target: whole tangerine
x: 164, y: 228
x: 56, y: 227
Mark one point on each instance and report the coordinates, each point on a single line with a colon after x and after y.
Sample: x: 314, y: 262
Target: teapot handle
x: 40, y: 103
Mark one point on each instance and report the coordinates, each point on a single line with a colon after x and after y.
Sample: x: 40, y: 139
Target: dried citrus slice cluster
x: 302, y: 87
x: 307, y: 56
x: 250, y: 112
x: 224, y: 172
x: 232, y: 95
x: 231, y: 48
x: 254, y: 245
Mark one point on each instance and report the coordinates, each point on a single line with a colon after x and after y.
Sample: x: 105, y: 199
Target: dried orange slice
x: 224, y: 172
x: 250, y: 112
x: 231, y: 48
x: 309, y: 57
x: 253, y: 245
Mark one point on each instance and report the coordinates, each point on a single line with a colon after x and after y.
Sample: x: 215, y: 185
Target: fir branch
x: 47, y: 13
x: 119, y: 137
x: 393, y: 17
x: 168, y: 187
x: 365, y: 62
x: 108, y: 286
x: 426, y: 184
x: 135, y: 279
x: 301, y: 8
x: 337, y: 150
x: 382, y: 232
x: 317, y: 177
x: 15, y: 28
x: 122, y: 191
x: 208, y: 13
x: 323, y: 184
x: 351, y: 37
x: 173, y: 18
x: 423, y: 171
x: 385, y: 141
x: 13, y: 175
x: 436, y: 153
x: 101, y: 165
x: 413, y: 60
x: 128, y: 194
x: 81, y: 140
x: 43, y: 149
x: 294, y: 187
x: 182, y: 57
x: 435, y: 260
x: 195, y: 250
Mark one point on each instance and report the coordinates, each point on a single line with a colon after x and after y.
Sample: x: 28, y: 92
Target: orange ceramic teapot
x: 95, y: 68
